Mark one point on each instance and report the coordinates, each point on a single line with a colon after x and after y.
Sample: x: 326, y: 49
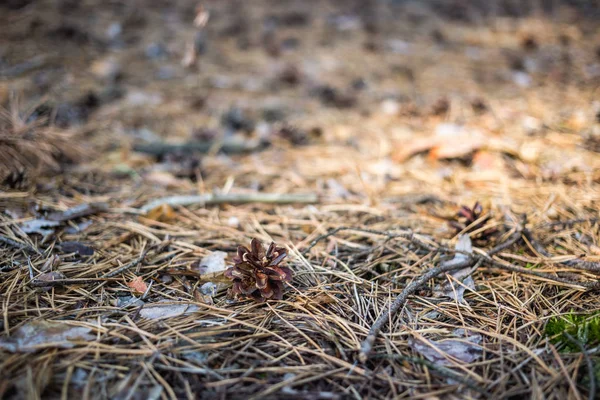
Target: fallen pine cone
x: 470, y: 220
x: 257, y: 273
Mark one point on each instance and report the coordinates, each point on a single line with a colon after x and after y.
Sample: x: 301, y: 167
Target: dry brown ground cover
x: 357, y: 135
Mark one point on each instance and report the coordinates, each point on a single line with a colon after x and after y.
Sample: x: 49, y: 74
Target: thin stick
x: 577, y: 263
x: 412, y: 287
x: 19, y: 245
x: 570, y: 222
x: 81, y: 210
x: 526, y: 271
x: 502, y: 246
x: 237, y: 198
x: 74, y: 281
x: 160, y: 148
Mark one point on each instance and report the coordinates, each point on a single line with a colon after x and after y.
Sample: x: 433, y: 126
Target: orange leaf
x: 162, y: 213
x: 137, y: 285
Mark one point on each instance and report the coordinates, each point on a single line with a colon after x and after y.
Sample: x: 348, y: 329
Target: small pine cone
x: 257, y: 273
x: 470, y: 215
x: 466, y: 217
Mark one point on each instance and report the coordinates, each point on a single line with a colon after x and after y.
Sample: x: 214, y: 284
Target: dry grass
x: 309, y: 341
x: 30, y: 146
x: 368, y: 177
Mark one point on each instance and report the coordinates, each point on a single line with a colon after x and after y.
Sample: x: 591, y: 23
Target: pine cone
x: 466, y: 217
x: 257, y: 273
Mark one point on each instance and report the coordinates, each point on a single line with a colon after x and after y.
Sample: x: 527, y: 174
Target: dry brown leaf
x: 49, y: 277
x: 162, y: 213
x: 487, y: 161
x: 51, y: 263
x: 407, y: 150
x: 454, y: 142
x: 323, y: 298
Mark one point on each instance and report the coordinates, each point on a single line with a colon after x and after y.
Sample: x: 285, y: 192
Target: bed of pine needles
x: 372, y: 217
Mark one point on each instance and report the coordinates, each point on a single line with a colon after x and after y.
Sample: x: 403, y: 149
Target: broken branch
x: 237, y: 198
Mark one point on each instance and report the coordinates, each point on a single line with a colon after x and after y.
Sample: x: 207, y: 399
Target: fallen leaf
x: 465, y: 350
x: 43, y: 334
x: 39, y: 226
x: 453, y: 141
x: 203, y: 298
x: 138, y: 285
x: 162, y: 213
x: 51, y: 263
x: 487, y: 161
x: 323, y: 298
x: 127, y: 301
x: 50, y: 276
x: 211, y: 264
x: 162, y: 311
x: 452, y: 289
x: 448, y: 141
x: 416, y: 146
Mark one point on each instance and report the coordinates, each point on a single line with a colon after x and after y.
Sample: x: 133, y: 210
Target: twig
x: 577, y: 263
x: 570, y: 222
x: 25, y: 66
x: 590, y: 365
x: 401, y: 299
x: 526, y: 271
x: 503, y: 246
x: 238, y: 198
x: 160, y: 149
x: 19, y: 245
x: 129, y: 265
x: 73, y: 281
x: 412, y: 287
x: 78, y: 211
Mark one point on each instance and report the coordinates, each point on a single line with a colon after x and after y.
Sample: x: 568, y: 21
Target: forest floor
x: 374, y: 140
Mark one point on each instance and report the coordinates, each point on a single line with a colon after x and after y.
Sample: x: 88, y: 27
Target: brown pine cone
x: 257, y: 273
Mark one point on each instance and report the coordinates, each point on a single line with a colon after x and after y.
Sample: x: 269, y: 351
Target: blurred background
x: 350, y: 98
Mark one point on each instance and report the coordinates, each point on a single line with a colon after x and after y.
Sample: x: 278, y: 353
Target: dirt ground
x: 381, y: 143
